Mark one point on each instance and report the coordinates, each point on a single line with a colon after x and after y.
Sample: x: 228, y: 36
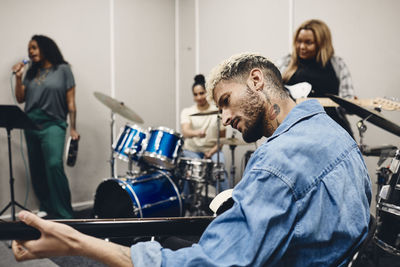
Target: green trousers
x: 45, y: 153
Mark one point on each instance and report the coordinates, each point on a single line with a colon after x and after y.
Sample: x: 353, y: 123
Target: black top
x: 323, y: 81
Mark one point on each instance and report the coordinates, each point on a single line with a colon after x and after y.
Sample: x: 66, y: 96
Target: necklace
x: 41, y: 76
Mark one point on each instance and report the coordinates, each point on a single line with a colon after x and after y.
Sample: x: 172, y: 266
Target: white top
x: 208, y: 123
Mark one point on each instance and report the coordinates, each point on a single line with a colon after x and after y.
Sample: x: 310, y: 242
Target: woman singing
x: 48, y: 90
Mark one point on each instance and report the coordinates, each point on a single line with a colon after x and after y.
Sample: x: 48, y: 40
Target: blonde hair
x: 323, y: 41
x: 238, y: 67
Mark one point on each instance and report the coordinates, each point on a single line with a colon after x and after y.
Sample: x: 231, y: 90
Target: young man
x: 303, y: 200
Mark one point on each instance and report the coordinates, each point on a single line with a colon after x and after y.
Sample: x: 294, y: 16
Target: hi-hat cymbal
x: 232, y: 141
x: 213, y: 112
x: 368, y: 114
x: 118, y: 107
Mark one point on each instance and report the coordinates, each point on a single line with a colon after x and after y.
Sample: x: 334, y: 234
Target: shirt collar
x: 301, y: 111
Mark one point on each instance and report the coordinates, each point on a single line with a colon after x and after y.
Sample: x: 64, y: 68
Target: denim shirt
x: 303, y: 201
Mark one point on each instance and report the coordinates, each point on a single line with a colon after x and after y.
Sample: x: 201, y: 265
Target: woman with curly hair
x: 48, y: 90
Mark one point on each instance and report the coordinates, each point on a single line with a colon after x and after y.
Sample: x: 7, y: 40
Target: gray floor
x: 7, y: 259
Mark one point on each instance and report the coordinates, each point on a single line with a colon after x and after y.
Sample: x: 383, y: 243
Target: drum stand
x: 199, y: 202
x: 383, y: 175
x: 112, y: 159
x: 233, y: 167
x: 219, y: 169
x: 362, y: 128
x: 131, y: 172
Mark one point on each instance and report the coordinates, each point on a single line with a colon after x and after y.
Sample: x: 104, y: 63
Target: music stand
x: 12, y: 117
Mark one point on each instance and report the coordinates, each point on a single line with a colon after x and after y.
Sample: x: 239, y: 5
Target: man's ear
x: 256, y: 79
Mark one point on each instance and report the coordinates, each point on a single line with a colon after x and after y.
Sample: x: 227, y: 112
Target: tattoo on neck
x: 277, y: 109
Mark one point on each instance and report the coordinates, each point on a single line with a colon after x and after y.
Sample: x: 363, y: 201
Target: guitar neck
x: 115, y: 228
x: 382, y: 103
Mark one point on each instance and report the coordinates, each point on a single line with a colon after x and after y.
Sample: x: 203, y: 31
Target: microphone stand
x: 12, y: 203
x: 112, y: 141
x: 12, y: 117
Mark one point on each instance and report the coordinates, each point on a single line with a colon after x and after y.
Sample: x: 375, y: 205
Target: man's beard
x: 254, y: 112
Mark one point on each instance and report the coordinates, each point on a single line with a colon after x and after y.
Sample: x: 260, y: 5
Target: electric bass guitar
x: 381, y: 103
x: 122, y: 228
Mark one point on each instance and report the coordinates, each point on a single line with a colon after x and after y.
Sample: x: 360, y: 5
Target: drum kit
x: 157, y: 174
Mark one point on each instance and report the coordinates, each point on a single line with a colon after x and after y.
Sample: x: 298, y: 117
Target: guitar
x: 114, y: 228
x: 122, y: 228
x: 382, y: 103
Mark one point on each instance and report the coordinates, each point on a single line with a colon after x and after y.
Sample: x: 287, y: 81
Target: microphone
x: 24, y: 61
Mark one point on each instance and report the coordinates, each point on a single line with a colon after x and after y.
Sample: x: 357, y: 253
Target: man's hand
x: 59, y: 239
x: 56, y: 239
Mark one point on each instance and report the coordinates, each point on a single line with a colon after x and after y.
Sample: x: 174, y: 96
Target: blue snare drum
x: 149, y: 195
x: 129, y: 142
x: 163, y: 148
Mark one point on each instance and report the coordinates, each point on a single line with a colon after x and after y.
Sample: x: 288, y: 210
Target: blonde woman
x: 313, y: 61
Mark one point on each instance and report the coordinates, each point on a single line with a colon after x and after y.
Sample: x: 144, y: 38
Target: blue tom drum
x: 129, y: 142
x: 163, y: 148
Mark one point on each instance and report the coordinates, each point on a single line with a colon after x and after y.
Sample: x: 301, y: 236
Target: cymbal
x: 232, y: 141
x: 213, y: 112
x: 118, y: 107
x: 368, y: 114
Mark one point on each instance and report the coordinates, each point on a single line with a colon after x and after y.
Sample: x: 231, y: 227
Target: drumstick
x: 207, y: 125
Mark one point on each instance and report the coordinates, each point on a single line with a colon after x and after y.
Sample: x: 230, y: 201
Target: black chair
x: 361, y: 257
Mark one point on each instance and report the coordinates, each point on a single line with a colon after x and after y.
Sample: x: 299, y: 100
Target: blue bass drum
x: 149, y: 195
x: 129, y: 142
x: 163, y: 148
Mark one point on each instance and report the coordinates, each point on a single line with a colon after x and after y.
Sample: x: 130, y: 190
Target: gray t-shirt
x: 48, y: 90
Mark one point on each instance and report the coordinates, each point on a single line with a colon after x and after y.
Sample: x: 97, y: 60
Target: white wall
x: 144, y: 76
x: 364, y: 34
x: 144, y: 51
